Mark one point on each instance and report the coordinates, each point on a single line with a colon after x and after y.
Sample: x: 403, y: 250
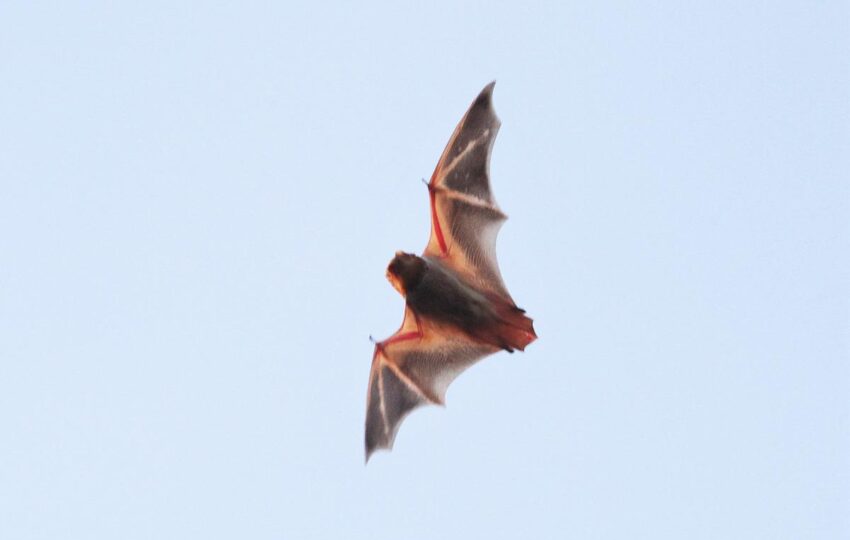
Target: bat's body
x: 457, y: 309
x: 434, y: 292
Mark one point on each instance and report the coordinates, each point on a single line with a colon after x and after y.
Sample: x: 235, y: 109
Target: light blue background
x: 197, y: 204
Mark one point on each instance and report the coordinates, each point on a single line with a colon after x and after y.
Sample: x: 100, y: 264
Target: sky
x: 198, y: 202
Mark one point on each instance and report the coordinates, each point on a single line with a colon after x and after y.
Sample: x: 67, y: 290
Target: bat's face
x: 405, y: 271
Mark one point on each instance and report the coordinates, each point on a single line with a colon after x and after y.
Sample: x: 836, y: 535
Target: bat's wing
x: 465, y: 218
x: 413, y: 367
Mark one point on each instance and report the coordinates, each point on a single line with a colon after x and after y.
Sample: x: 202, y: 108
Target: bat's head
x: 405, y: 271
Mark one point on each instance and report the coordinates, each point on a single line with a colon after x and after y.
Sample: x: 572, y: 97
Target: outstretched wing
x: 413, y: 367
x: 465, y: 218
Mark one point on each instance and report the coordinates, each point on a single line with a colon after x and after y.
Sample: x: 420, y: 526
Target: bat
x: 457, y: 308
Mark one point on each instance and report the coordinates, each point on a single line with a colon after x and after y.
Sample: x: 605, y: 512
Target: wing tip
x: 486, y: 94
x: 370, y: 451
x: 373, y: 445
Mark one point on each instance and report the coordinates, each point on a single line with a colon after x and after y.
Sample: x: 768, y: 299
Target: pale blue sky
x: 197, y: 204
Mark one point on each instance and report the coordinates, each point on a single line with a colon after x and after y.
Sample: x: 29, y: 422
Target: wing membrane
x: 465, y: 218
x: 411, y: 372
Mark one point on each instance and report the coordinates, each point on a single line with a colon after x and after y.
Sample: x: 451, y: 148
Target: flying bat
x: 457, y: 308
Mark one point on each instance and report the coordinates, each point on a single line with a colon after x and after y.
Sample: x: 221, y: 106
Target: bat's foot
x: 515, y: 330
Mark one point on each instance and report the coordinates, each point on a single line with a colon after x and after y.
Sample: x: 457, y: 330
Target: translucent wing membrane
x: 465, y: 218
x: 415, y: 366
x: 414, y: 371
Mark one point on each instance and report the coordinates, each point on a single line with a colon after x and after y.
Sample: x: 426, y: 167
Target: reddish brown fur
x: 513, y: 330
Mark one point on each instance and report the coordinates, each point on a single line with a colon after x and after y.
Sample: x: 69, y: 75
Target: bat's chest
x: 444, y: 299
